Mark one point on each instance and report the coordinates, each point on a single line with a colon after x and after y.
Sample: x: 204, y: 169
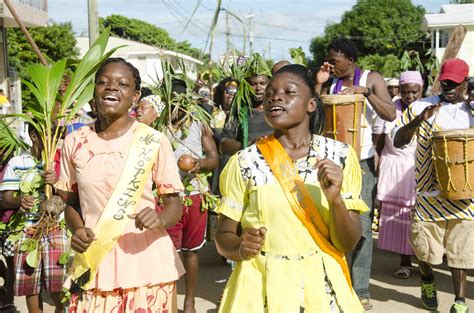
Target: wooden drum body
x: 343, y: 118
x: 453, y: 155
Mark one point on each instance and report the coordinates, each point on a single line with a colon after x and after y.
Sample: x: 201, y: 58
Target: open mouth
x: 275, y: 111
x: 111, y: 100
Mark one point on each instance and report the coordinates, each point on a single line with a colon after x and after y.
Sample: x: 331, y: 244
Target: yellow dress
x: 291, y: 274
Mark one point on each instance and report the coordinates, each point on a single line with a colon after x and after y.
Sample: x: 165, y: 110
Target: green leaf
x: 64, y: 258
x: 25, y: 187
x: 32, y: 259
x: 47, y: 81
x: 84, y: 98
x: 29, y: 245
x: 14, y: 237
x: 37, y: 181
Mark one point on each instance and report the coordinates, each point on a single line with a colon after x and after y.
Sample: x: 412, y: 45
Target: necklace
x: 307, y: 158
x: 452, y: 110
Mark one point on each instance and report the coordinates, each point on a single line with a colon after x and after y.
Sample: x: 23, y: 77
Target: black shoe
x: 429, y: 298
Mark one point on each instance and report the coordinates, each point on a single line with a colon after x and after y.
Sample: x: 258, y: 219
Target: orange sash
x: 299, y: 198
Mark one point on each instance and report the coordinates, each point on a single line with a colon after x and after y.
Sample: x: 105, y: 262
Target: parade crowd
x: 266, y: 154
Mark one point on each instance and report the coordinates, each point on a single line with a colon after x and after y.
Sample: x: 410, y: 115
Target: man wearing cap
x: 393, y: 86
x: 440, y: 225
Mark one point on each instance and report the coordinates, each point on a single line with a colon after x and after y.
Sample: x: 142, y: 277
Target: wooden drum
x: 453, y: 155
x: 343, y: 118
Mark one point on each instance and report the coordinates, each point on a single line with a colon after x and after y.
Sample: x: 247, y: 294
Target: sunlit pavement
x: 388, y: 293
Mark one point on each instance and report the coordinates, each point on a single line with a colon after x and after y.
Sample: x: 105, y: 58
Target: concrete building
x: 146, y: 58
x: 442, y: 24
x: 33, y: 13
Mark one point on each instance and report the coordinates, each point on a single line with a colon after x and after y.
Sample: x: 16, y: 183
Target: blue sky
x: 277, y: 25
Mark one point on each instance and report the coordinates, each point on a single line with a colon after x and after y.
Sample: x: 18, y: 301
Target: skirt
x: 160, y: 298
x: 394, y: 228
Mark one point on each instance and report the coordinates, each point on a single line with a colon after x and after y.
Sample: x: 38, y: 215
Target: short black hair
x: 317, y: 119
x: 145, y: 92
x: 344, y: 46
x: 178, y: 85
x: 133, y: 69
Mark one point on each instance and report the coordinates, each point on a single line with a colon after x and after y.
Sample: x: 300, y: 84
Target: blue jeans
x: 362, y: 254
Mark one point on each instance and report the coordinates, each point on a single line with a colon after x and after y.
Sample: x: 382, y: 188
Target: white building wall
x: 466, y: 52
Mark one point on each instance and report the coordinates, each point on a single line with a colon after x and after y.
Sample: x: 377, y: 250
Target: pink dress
x: 396, y: 192
x: 140, y: 258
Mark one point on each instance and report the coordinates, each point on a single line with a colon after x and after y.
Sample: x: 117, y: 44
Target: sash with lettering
x: 299, y: 198
x: 124, y: 200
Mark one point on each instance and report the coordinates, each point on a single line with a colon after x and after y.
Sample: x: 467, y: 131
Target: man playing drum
x: 350, y: 79
x: 440, y: 225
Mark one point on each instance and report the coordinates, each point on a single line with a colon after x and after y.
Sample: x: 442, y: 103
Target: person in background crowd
x: 232, y: 136
x: 396, y: 179
x: 393, y: 86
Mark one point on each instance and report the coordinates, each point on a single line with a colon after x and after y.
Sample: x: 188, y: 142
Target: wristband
x: 368, y: 93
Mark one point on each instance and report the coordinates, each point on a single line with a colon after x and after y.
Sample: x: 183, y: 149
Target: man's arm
x: 379, y: 98
x: 211, y: 161
x: 406, y: 133
x: 229, y: 144
x: 9, y: 200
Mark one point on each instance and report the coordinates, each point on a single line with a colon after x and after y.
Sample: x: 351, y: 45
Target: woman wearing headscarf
x: 396, y: 181
x: 149, y: 109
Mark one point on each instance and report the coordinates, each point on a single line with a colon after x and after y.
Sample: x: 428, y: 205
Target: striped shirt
x: 429, y: 205
x: 20, y: 169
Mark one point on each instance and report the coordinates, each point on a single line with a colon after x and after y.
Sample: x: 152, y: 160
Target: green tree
x: 55, y: 41
x: 388, y: 65
x: 377, y: 27
x: 138, y: 30
x: 460, y: 1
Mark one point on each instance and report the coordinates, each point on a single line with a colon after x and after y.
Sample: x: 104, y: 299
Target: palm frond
x: 49, y: 106
x: 9, y: 141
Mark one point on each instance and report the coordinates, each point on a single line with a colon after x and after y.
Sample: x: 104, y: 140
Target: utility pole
x: 270, y: 50
x: 227, y: 32
x: 93, y: 14
x: 250, y: 18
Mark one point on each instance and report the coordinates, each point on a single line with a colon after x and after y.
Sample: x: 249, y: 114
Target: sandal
x: 403, y: 272
x: 366, y: 304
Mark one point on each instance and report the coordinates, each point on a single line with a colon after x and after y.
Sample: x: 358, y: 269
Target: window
x: 444, y: 35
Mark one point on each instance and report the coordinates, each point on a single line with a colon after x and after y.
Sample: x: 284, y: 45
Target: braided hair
x: 317, y: 118
x: 344, y: 46
x: 131, y: 67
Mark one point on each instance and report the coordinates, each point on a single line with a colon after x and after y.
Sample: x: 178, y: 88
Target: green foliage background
x: 381, y: 29
x: 55, y: 41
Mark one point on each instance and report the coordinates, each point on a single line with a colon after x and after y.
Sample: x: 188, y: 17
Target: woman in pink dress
x: 396, y: 180
x: 139, y: 272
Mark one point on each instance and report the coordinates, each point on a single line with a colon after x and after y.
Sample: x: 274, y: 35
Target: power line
x: 271, y: 38
x: 286, y: 28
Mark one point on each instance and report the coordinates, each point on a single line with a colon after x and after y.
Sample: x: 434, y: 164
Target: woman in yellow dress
x: 289, y: 210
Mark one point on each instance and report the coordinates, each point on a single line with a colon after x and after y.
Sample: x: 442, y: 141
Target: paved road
x: 388, y: 293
